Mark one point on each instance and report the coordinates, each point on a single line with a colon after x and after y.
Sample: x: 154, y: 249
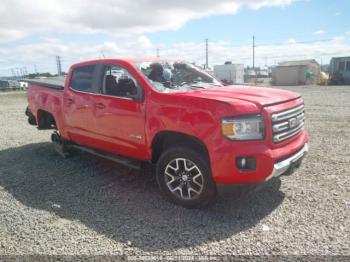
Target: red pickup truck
x: 197, y: 132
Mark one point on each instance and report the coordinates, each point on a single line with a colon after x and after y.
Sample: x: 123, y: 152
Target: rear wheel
x: 185, y: 178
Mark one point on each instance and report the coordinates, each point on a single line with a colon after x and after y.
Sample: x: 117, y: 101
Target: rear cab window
x: 84, y: 79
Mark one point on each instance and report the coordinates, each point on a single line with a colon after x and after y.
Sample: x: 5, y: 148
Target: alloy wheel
x: 184, y: 178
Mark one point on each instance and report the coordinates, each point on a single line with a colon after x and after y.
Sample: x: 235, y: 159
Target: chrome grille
x: 287, y: 123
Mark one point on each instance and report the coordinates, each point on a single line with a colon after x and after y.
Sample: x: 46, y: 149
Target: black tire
x: 188, y: 195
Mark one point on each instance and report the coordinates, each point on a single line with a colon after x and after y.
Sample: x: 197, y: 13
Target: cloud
x: 319, y: 32
x: 42, y: 53
x: 291, y: 41
x: 126, y: 24
x: 8, y: 35
x: 144, y: 42
x: 22, y: 17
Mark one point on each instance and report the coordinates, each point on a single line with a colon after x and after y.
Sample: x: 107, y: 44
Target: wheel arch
x: 165, y: 139
x: 46, y: 120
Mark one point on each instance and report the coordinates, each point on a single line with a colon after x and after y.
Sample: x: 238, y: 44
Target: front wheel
x: 184, y: 176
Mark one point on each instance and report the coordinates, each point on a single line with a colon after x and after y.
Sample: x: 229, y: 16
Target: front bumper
x: 285, y: 165
x: 269, y: 161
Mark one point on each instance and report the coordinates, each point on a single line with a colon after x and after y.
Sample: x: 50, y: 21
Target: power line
x: 296, y: 42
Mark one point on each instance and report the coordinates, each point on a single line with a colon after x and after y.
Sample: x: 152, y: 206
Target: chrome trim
x: 280, y: 127
x: 281, y: 167
x: 135, y: 136
x: 276, y: 117
x: 283, y: 123
x: 283, y: 136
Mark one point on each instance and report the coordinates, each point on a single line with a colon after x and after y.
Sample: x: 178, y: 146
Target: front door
x: 119, y: 113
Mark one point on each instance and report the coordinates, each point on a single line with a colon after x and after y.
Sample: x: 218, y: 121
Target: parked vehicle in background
x: 336, y: 79
x: 324, y: 79
x: 196, y: 132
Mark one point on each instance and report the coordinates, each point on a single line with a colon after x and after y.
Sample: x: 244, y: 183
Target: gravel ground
x: 86, y: 205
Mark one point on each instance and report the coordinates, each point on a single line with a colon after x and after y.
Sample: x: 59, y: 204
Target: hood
x: 260, y: 96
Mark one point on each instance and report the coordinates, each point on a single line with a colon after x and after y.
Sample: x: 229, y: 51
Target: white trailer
x: 230, y: 73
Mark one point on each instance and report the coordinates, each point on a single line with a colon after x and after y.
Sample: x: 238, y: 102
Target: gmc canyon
x: 197, y: 132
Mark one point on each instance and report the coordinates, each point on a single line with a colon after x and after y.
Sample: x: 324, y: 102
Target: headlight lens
x: 243, y: 128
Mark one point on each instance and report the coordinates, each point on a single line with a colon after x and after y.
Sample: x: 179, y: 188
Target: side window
x: 342, y: 66
x: 117, y: 81
x: 83, y: 79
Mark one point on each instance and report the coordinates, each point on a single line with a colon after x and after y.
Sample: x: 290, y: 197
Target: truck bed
x: 52, y: 82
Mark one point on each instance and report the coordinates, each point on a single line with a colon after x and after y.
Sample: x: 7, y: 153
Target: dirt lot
x: 86, y: 205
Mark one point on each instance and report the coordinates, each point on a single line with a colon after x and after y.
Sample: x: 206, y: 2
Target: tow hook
x: 60, y: 145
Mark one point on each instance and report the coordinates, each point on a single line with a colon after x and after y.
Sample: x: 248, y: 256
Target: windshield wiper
x: 197, y: 87
x: 168, y: 84
x: 191, y: 83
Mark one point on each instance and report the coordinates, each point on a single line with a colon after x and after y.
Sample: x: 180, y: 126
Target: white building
x: 230, y: 73
x: 301, y: 72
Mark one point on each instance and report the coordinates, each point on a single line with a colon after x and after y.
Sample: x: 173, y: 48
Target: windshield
x: 169, y: 77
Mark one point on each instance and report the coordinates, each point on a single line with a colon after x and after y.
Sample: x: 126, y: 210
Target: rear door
x: 79, y: 100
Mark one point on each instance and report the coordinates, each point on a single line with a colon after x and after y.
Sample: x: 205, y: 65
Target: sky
x: 33, y: 33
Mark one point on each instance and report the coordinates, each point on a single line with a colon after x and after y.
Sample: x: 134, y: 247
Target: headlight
x: 243, y: 128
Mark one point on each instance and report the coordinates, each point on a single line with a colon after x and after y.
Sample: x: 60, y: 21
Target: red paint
x: 106, y: 123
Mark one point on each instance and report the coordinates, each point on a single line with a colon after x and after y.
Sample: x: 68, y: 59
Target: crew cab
x: 197, y: 133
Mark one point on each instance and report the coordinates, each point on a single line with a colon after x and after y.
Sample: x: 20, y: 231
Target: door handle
x: 82, y: 106
x: 70, y: 101
x: 100, y: 106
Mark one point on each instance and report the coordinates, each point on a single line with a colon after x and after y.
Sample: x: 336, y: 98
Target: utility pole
x: 22, y: 72
x: 206, y: 54
x: 59, y: 67
x: 13, y: 73
x: 157, y: 51
x: 254, y: 53
x: 35, y: 69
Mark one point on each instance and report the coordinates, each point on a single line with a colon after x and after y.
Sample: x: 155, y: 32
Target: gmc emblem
x: 293, y: 122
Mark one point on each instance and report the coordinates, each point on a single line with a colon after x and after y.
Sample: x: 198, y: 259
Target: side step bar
x: 115, y: 158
